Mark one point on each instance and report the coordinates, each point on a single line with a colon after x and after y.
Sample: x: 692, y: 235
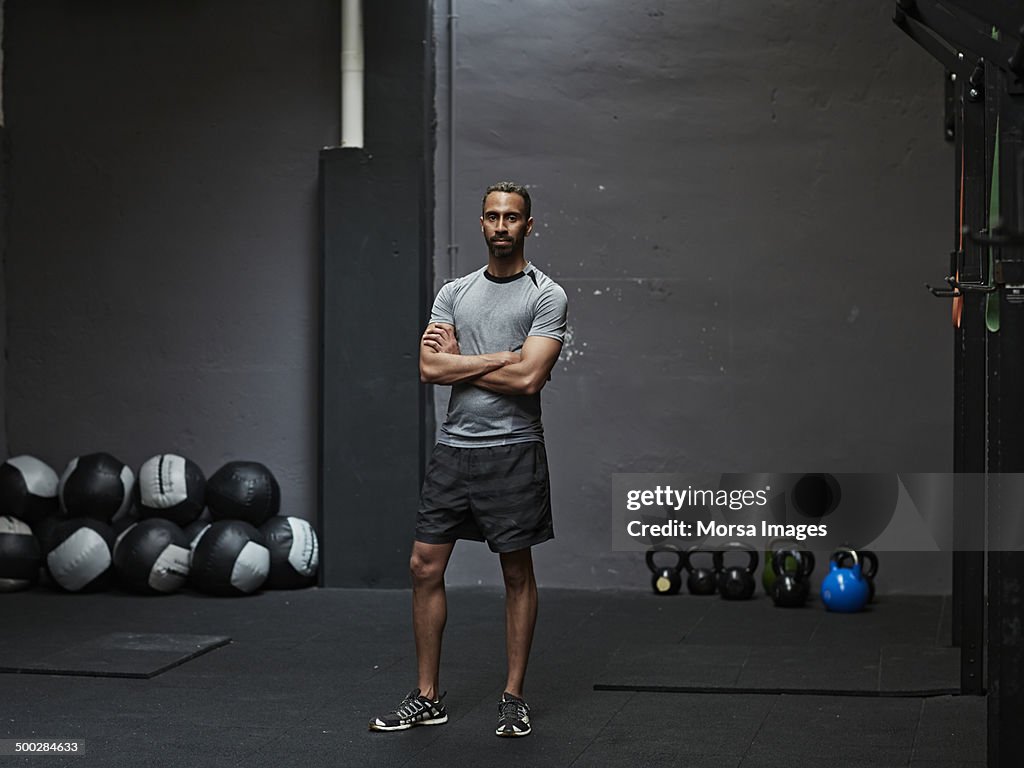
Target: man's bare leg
x: 520, y: 615
x: 429, y: 611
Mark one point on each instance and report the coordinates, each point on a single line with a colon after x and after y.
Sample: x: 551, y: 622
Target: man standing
x: 494, y: 336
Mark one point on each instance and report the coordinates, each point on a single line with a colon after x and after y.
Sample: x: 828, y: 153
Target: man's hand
x: 441, y: 338
x: 527, y: 372
x: 442, y: 362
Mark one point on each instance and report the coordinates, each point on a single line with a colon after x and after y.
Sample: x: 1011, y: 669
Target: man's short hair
x: 512, y: 188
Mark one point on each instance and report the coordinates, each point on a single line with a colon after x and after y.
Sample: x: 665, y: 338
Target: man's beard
x: 501, y: 250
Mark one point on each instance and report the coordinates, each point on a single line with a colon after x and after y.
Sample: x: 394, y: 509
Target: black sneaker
x: 414, y: 710
x: 513, y: 716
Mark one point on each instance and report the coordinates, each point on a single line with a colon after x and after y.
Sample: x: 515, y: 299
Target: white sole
x: 406, y: 726
x: 505, y: 734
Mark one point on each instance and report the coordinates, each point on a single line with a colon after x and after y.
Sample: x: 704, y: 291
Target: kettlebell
x: 844, y: 590
x: 792, y: 584
x: 868, y: 566
x: 665, y: 580
x: 700, y: 581
x: 735, y: 582
x: 768, y: 573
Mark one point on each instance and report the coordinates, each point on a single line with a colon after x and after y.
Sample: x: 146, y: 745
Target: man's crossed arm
x: 508, y: 373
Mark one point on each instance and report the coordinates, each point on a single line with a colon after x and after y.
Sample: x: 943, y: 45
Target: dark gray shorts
x: 500, y: 495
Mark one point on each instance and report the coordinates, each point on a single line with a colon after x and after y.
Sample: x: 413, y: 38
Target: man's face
x: 504, y: 224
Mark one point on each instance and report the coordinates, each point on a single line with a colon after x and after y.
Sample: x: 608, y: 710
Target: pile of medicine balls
x: 96, y: 526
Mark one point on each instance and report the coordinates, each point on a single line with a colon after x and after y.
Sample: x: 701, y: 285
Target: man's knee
x: 426, y: 569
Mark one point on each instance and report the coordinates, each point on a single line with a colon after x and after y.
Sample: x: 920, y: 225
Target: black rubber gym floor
x: 304, y: 671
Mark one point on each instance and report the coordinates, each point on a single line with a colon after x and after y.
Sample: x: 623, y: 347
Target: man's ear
x: 529, y: 226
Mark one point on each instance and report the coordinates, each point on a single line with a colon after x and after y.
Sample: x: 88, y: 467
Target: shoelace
x: 410, y: 707
x: 513, y: 709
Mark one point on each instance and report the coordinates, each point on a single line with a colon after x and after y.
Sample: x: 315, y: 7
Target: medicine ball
x: 230, y: 559
x: 97, y: 486
x: 194, y: 531
x: 152, y: 557
x: 44, y: 531
x: 172, y: 488
x: 294, y: 552
x: 80, y: 556
x: 20, y: 556
x: 28, y: 489
x: 122, y: 523
x: 243, y: 490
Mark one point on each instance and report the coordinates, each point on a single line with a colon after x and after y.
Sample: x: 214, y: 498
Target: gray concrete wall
x: 163, y: 254
x: 742, y: 200
x: 3, y: 254
x: 3, y: 284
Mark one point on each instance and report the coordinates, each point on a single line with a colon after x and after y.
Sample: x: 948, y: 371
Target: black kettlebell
x: 734, y: 582
x: 700, y: 581
x: 868, y: 565
x: 665, y: 580
x: 768, y: 573
x: 792, y: 569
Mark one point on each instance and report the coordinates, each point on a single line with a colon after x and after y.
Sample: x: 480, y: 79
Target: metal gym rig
x: 981, y: 45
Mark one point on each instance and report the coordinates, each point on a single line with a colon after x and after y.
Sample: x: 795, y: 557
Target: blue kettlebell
x: 844, y: 590
x: 868, y: 565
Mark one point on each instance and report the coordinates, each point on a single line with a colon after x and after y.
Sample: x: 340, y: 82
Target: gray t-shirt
x: 496, y: 314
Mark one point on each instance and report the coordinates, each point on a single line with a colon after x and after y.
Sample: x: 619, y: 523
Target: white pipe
x: 453, y: 248
x: 352, y: 69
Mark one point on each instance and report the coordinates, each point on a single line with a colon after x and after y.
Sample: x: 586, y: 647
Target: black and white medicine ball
x: 122, y: 523
x: 230, y: 559
x: 44, y: 531
x: 294, y: 552
x: 194, y: 531
x: 172, y: 488
x: 152, y: 557
x: 20, y: 556
x: 28, y: 489
x: 243, y: 490
x: 96, y: 485
x: 81, y: 554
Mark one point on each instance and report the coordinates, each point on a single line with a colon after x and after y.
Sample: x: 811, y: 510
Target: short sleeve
x: 552, y: 310
x: 443, y: 311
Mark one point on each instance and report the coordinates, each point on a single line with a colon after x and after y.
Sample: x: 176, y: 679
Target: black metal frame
x: 970, y: 383
x: 1006, y: 444
x: 981, y: 43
